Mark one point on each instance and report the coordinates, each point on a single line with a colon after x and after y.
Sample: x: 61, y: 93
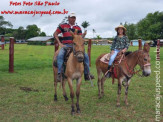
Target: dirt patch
x: 28, y: 89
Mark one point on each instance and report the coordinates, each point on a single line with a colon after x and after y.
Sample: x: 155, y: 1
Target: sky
x: 103, y: 15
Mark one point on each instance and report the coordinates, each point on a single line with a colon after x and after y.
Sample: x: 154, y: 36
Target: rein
x: 130, y: 71
x: 137, y: 71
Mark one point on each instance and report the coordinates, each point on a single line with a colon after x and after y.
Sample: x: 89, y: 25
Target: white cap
x: 72, y: 15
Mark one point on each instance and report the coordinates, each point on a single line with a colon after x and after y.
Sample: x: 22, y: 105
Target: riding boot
x: 88, y: 77
x: 108, y: 73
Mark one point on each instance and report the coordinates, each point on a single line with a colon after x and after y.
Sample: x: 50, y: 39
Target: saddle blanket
x: 105, y: 58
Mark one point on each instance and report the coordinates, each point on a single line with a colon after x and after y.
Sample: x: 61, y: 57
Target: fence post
x: 3, y: 41
x: 11, y: 55
x: 158, y: 49
x: 89, y: 51
x: 140, y: 44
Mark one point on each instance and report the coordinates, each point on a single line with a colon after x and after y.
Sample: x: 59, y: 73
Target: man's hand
x: 61, y: 45
x: 85, y: 32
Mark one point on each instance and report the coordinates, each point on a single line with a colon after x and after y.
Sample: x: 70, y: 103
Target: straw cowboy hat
x: 120, y: 26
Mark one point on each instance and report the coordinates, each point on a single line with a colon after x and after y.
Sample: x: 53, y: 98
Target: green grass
x: 33, y: 68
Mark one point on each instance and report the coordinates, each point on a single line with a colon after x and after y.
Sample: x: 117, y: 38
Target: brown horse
x: 124, y: 70
x: 74, y: 70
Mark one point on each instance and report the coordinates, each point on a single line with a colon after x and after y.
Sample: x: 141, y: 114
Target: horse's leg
x: 78, y: 93
x: 55, y: 88
x: 102, y: 85
x: 71, y: 95
x: 99, y: 83
x: 64, y: 91
x: 126, y: 92
x: 119, y: 92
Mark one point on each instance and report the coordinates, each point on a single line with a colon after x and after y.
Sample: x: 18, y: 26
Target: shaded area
x: 28, y: 89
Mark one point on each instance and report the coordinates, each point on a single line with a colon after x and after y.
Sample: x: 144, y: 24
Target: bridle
x: 132, y: 72
x: 76, y: 52
x: 144, y: 64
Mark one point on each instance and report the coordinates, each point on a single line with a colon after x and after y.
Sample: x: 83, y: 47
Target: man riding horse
x: 67, y: 42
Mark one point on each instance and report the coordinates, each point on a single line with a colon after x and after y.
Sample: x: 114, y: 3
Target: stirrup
x: 108, y: 74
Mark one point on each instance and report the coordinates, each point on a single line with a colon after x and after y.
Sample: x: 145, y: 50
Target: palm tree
x: 93, y: 32
x: 65, y: 20
x: 98, y: 38
x: 85, y: 24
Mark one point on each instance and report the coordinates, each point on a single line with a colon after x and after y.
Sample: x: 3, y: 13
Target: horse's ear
x: 146, y: 47
x: 72, y: 33
x: 76, y: 31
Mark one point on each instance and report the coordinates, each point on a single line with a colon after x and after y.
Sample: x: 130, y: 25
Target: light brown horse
x: 74, y: 71
x: 124, y: 70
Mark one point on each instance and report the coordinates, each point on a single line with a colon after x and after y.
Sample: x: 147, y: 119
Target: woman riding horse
x: 120, y: 43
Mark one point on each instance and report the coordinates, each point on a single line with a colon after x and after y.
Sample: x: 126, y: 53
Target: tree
x: 65, y: 20
x: 3, y: 25
x: 131, y: 31
x: 32, y: 31
x: 98, y: 38
x: 20, y: 33
x: 151, y: 27
x: 85, y: 24
x: 42, y: 34
x: 93, y: 30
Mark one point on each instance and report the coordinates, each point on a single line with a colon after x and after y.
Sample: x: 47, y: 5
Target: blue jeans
x: 60, y: 60
x: 111, y: 60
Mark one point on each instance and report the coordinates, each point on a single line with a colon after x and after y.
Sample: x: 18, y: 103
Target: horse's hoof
x: 66, y: 98
x: 118, y: 105
x: 102, y: 95
x: 126, y: 104
x: 78, y: 111
x: 99, y: 97
x: 72, y: 113
x: 55, y: 98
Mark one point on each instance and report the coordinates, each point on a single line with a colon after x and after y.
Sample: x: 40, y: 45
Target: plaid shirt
x: 120, y: 43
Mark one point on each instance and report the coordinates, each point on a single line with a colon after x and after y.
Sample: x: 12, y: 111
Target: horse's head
x: 78, y: 46
x: 144, y: 60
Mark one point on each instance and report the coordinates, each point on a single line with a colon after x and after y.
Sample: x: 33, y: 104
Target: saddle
x: 105, y: 59
x: 66, y: 56
x: 113, y: 69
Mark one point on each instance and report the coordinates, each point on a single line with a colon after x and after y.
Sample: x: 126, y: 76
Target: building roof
x: 41, y: 38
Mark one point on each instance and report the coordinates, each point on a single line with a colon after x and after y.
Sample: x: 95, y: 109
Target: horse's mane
x: 128, y: 52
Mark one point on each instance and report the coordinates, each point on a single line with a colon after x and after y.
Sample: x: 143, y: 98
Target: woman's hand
x: 112, y: 52
x: 124, y: 50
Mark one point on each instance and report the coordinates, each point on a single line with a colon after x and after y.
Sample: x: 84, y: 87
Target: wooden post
x: 89, y: 51
x: 3, y: 41
x: 56, y: 45
x: 140, y: 44
x: 158, y: 50
x: 11, y: 55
